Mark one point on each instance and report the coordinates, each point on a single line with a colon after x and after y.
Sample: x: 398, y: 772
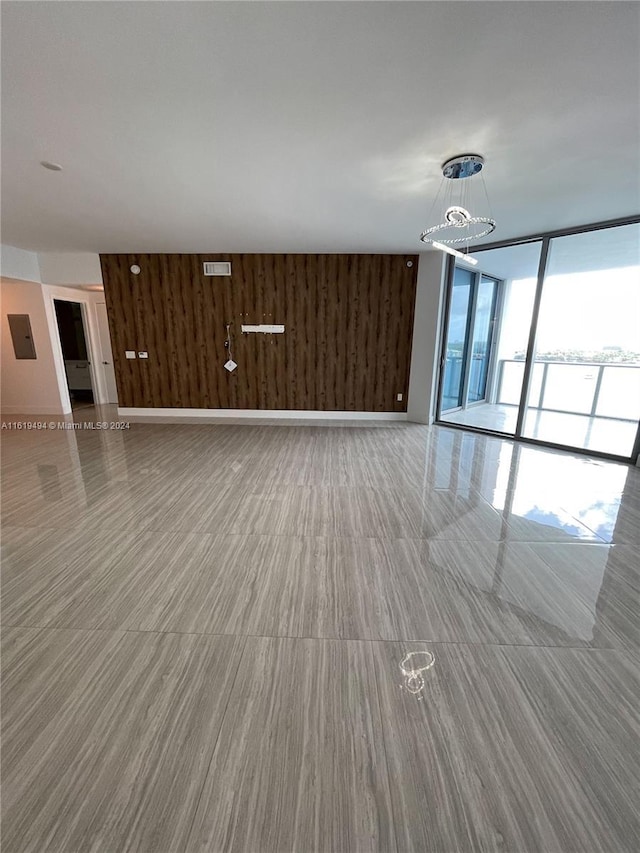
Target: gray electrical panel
x: 21, y: 336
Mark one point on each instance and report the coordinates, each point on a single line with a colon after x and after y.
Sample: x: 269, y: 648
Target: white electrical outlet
x: 399, y: 397
x: 143, y: 354
x: 130, y: 353
x: 230, y: 365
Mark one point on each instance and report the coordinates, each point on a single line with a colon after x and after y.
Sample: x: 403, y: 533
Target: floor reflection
x: 412, y: 666
x: 539, y: 494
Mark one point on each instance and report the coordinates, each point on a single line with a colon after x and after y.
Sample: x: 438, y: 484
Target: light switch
x: 130, y: 353
x: 143, y: 354
x: 399, y: 397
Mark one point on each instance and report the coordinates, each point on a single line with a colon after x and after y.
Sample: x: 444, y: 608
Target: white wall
x: 17, y: 263
x: 67, y: 268
x: 28, y: 386
x: 70, y: 268
x: 426, y: 334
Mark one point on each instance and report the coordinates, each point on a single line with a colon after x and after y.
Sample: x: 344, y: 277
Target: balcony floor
x: 606, y: 435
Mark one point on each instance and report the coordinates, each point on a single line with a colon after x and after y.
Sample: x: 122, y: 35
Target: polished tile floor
x: 316, y: 638
x: 604, y: 435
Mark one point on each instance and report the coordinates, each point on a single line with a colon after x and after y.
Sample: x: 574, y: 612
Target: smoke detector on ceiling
x: 217, y: 268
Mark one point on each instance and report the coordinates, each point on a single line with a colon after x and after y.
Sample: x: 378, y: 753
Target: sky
x: 591, y: 310
x: 584, y: 311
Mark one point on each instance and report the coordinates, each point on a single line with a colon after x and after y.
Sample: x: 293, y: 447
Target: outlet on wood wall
x: 346, y: 346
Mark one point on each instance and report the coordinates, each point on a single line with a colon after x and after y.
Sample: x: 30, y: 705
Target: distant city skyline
x: 583, y: 311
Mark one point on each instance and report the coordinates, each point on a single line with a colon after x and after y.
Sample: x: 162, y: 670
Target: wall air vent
x: 217, y: 268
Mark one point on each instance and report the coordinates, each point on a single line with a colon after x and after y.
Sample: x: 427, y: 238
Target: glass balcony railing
x: 595, y: 389
x: 453, y: 379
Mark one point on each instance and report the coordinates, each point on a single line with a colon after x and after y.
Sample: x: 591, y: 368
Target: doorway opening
x: 73, y: 340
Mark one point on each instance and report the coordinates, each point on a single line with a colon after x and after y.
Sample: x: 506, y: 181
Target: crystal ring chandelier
x: 458, y: 226
x: 459, y: 217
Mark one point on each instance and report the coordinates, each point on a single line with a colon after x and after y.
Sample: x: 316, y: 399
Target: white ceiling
x: 606, y: 249
x: 308, y: 127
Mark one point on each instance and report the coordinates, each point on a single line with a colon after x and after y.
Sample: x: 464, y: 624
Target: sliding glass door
x: 457, y: 337
x: 543, y: 342
x: 481, y: 338
x: 468, y: 351
x: 469, y: 342
x: 586, y: 361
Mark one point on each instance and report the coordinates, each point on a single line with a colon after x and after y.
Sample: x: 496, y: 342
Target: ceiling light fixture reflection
x: 412, y: 666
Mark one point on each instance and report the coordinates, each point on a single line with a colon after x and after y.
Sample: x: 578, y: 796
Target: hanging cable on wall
x: 229, y: 364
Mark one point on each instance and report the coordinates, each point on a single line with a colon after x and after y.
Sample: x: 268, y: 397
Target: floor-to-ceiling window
x: 587, y: 351
x: 550, y: 351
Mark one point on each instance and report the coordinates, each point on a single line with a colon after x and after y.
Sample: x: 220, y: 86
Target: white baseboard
x: 260, y: 414
x: 31, y: 410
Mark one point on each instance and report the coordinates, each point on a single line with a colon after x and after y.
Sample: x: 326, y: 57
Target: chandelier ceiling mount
x: 458, y: 227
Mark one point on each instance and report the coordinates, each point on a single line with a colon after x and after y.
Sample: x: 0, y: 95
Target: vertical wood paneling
x: 319, y: 366
x: 347, y: 343
x: 340, y: 343
x: 387, y: 305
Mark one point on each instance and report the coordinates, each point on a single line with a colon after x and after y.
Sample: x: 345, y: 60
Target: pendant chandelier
x: 458, y: 226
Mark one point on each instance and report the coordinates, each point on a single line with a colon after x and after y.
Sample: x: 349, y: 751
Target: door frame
x: 496, y: 302
x: 444, y: 330
x: 101, y: 369
x: 92, y: 338
x: 467, y: 353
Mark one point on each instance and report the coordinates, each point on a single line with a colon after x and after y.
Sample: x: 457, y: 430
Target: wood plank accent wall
x: 347, y: 342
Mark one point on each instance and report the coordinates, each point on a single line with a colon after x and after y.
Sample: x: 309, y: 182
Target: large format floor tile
x: 516, y: 749
x: 204, y: 628
x: 109, y: 737
x: 300, y: 762
x: 184, y: 582
x: 455, y: 591
x: 325, y: 587
x: 47, y: 571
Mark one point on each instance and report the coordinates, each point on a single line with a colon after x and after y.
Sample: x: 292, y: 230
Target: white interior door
x: 106, y: 358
